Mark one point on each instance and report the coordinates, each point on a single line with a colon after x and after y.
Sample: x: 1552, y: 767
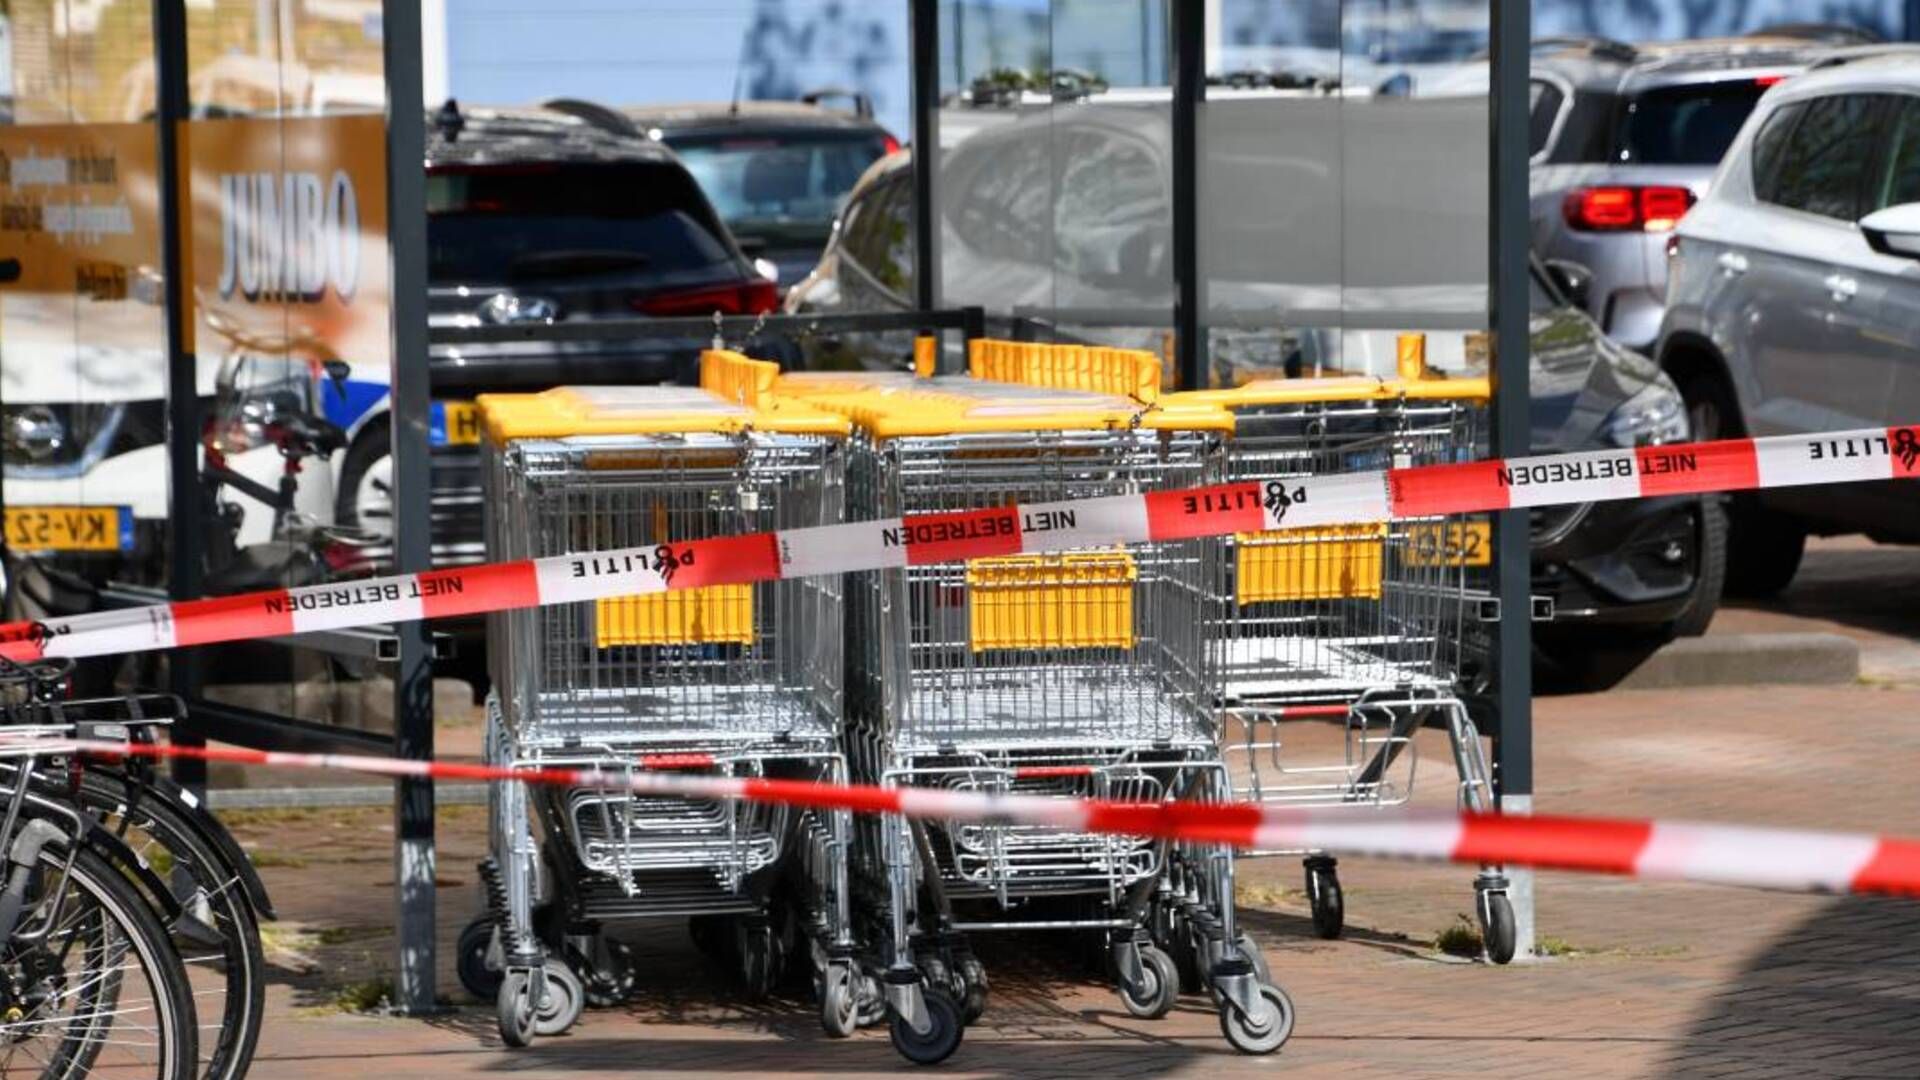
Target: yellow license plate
x: 455, y: 423
x: 70, y: 528
x: 1452, y: 543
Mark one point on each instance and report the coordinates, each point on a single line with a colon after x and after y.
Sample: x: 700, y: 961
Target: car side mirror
x: 1894, y: 230
x: 337, y: 374
x: 1574, y: 281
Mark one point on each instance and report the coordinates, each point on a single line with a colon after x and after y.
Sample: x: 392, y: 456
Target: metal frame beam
x: 413, y: 852
x: 1507, y: 260
x: 925, y: 34
x: 186, y: 550
x: 1189, y: 32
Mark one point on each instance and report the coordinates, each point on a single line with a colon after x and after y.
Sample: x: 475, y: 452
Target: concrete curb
x: 1799, y: 659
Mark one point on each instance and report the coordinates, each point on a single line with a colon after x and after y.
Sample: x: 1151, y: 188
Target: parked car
x: 1624, y: 139
x: 775, y: 170
x: 1794, y: 296
x: 1638, y: 572
x: 539, y: 215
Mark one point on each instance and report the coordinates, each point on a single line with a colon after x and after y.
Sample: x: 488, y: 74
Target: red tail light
x: 1765, y: 81
x: 746, y: 298
x: 889, y: 145
x: 1623, y: 209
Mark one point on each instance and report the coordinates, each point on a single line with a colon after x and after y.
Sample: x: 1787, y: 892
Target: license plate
x: 70, y: 528
x: 453, y: 423
x: 1452, y: 543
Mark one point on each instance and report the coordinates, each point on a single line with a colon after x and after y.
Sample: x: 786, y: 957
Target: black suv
x: 776, y: 170
x: 545, y: 216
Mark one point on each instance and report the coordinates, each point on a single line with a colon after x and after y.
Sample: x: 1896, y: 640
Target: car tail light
x: 1622, y: 209
x: 889, y: 145
x: 745, y: 298
x: 1765, y: 81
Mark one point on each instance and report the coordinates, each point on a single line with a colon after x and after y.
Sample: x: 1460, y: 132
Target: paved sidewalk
x: 1650, y: 980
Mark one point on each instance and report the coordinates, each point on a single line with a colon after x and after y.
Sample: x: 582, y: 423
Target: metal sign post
x: 1507, y: 259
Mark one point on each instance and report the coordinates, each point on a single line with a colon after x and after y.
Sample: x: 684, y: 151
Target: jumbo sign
x: 289, y: 236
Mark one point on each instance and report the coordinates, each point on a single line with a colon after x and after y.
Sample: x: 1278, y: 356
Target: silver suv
x: 1624, y: 141
x: 1794, y: 296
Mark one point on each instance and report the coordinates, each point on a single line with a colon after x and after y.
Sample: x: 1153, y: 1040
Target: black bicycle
x: 187, y: 866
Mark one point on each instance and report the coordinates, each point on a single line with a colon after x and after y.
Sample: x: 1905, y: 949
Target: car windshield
x: 761, y: 183
x: 1686, y: 125
x: 523, y: 223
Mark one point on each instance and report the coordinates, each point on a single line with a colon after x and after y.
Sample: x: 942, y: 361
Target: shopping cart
x: 1357, y: 624
x: 1360, y: 624
x: 736, y: 680
x: 1074, y: 674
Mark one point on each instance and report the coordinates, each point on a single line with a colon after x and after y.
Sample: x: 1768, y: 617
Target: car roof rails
x: 1593, y: 44
x: 1854, y: 53
x: 594, y: 113
x: 1822, y: 33
x: 862, y: 104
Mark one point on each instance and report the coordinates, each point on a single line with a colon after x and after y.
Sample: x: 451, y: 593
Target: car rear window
x: 547, y: 221
x: 1685, y: 125
x: 778, y: 179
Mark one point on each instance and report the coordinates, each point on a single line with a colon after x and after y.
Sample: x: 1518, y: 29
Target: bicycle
x: 190, y: 867
x: 89, y: 976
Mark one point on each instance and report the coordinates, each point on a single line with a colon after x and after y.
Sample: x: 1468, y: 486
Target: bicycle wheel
x: 89, y: 983
x: 228, y: 974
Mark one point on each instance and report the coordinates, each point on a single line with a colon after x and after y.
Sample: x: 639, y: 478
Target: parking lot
x: 1638, y: 980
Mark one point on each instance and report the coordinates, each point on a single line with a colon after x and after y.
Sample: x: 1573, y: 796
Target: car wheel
x: 1766, y: 555
x: 1710, y: 572
x: 1763, y: 548
x: 365, y: 500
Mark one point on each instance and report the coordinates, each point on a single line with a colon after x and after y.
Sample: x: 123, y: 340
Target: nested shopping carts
x: 1358, y: 624
x: 738, y: 680
x: 1080, y: 673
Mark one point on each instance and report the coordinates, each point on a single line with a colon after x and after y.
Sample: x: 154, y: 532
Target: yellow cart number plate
x: 70, y: 528
x: 1452, y: 543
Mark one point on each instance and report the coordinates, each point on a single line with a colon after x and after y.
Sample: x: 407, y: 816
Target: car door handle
x: 1732, y: 262
x: 1841, y: 287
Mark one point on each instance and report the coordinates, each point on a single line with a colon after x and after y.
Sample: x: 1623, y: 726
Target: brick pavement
x: 1663, y: 980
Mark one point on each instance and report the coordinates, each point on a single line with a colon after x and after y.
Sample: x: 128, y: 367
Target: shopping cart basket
x: 1073, y: 674
x: 1360, y: 624
x: 724, y: 679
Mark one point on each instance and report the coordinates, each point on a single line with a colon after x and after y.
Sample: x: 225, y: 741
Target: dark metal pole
x: 186, y: 563
x: 1507, y: 261
x: 1189, y: 91
x: 413, y: 852
x: 926, y: 153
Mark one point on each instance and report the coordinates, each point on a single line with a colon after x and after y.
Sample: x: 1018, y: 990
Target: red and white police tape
x: 1340, y: 499
x: 1796, y: 859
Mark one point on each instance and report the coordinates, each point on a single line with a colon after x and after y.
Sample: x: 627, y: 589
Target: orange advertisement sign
x: 289, y: 238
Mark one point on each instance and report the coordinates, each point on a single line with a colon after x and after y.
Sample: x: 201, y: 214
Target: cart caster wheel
x: 1159, y: 985
x: 839, y: 1011
x: 712, y: 935
x: 1262, y: 1035
x: 759, y: 958
x: 607, y: 973
x: 1185, y: 950
x: 973, y: 996
x: 942, y: 1036
x: 1497, y: 929
x: 513, y: 1009
x: 1328, y: 902
x: 1253, y: 954
x: 470, y: 959
x: 562, y: 1002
